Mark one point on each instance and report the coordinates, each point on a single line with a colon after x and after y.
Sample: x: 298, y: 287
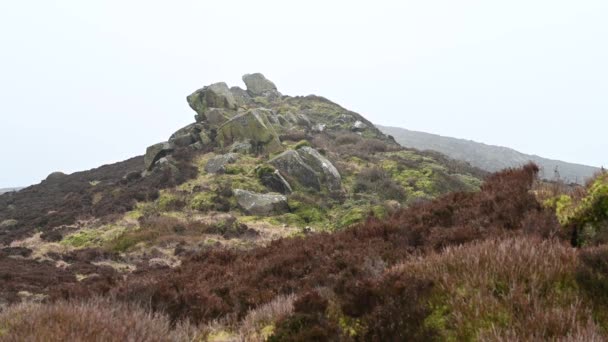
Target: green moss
x: 203, y: 201
x: 301, y: 143
x: 93, y: 237
x: 352, y: 216
x: 167, y: 201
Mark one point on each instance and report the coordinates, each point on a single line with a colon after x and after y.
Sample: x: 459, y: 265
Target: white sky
x: 83, y: 83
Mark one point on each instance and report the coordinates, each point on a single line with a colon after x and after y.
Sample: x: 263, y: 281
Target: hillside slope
x: 488, y: 157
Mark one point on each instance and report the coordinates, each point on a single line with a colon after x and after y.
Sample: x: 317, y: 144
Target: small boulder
x: 292, y: 164
x: 258, y: 85
x: 243, y: 147
x: 331, y: 176
x: 218, y: 164
x: 252, y: 126
x: 156, y: 152
x: 216, y: 95
x: 359, y: 126
x: 261, y: 204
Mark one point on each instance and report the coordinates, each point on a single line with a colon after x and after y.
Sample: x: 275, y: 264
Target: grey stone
x: 241, y: 96
x: 243, y: 147
x: 359, y: 126
x: 318, y: 128
x: 252, y: 126
x: 218, y: 164
x: 331, y: 176
x: 156, y: 152
x: 193, y: 128
x: 303, y: 120
x: 261, y: 204
x: 290, y: 163
x: 217, y: 116
x: 258, y: 85
x: 216, y: 95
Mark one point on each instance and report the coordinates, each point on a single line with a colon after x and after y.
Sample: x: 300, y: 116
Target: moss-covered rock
x: 252, y: 126
x: 216, y: 95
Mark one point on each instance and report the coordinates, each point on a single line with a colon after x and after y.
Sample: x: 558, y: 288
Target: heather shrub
x: 513, y: 289
x: 378, y: 181
x: 592, y: 277
x: 93, y: 320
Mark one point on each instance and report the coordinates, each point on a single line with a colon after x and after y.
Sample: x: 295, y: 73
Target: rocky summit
x: 254, y: 166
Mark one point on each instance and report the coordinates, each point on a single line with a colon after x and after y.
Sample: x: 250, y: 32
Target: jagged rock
x: 218, y: 164
x: 252, y: 126
x: 314, y: 159
x: 131, y: 176
x: 241, y: 96
x: 273, y: 180
x: 8, y: 224
x: 359, y: 126
x: 183, y: 140
x: 292, y: 164
x: 216, y: 95
x: 261, y: 204
x: 258, y: 85
x: 156, y: 152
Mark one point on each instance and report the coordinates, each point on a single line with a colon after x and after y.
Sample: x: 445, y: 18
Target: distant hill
x: 9, y: 190
x: 487, y: 157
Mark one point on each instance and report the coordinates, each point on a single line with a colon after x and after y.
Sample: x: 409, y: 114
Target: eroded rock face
x: 218, y: 164
x: 216, y: 95
x: 292, y: 164
x: 258, y: 85
x: 261, y: 204
x: 155, y: 152
x: 252, y: 126
x: 319, y: 163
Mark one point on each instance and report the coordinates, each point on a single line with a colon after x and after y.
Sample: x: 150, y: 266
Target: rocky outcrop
x: 329, y: 174
x: 216, y: 95
x: 258, y: 85
x: 309, y: 168
x: 252, y: 126
x: 218, y: 164
x: 155, y: 152
x: 291, y: 164
x: 261, y: 204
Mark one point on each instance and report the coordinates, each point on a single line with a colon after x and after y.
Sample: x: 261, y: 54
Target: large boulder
x: 156, y: 152
x: 261, y: 204
x: 252, y: 126
x: 258, y: 85
x: 218, y: 164
x: 216, y: 95
x: 292, y: 164
x: 330, y: 175
x: 217, y: 116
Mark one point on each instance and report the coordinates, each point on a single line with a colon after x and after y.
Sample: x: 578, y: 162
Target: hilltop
x: 280, y: 218
x: 489, y: 157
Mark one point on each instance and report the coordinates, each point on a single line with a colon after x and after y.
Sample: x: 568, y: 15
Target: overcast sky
x: 84, y: 83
